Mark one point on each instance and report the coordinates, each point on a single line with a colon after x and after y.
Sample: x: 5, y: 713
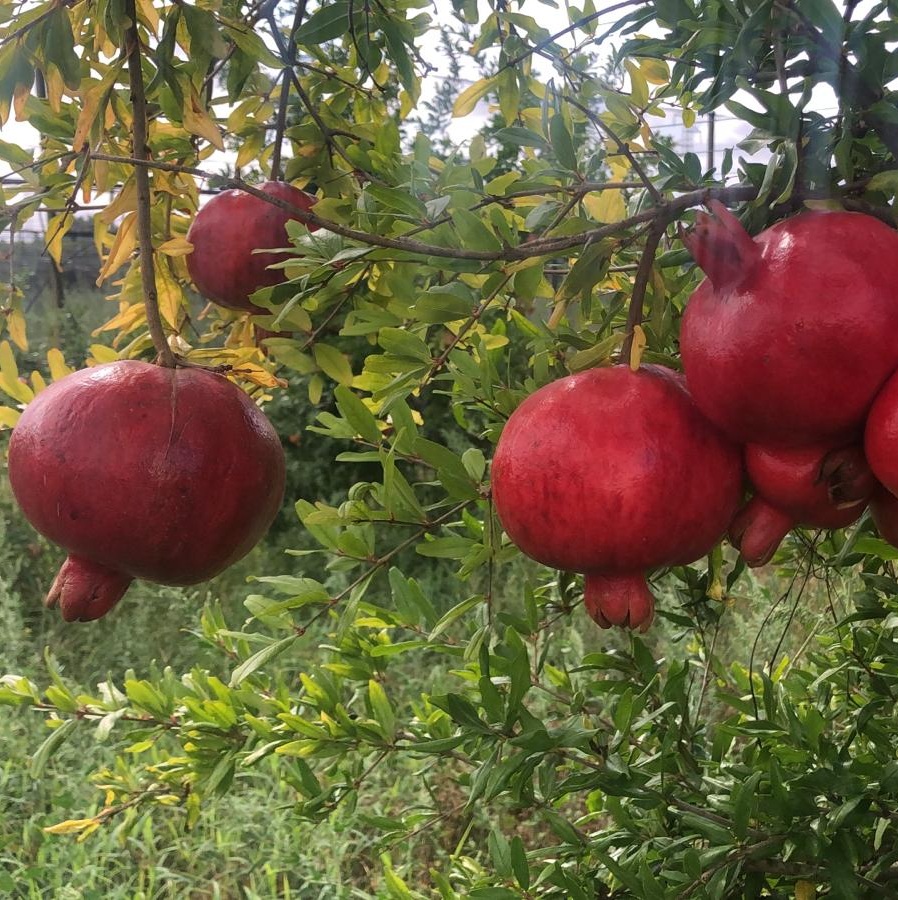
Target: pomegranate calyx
x: 85, y: 590
x: 848, y: 478
x: 721, y: 247
x: 623, y: 600
x: 757, y: 530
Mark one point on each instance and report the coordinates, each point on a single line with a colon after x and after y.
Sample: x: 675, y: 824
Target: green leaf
x: 333, y: 363
x: 328, y: 23
x: 562, y: 142
x: 260, y: 658
x: 380, y: 707
x: 59, y: 48
x: 357, y: 414
x: 42, y: 755
x: 445, y: 303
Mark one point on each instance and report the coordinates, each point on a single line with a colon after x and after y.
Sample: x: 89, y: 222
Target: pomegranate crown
x: 723, y: 249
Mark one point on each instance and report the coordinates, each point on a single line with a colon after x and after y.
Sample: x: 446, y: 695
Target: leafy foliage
x: 444, y: 285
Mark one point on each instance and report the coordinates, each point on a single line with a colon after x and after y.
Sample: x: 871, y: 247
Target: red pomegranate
x: 792, y: 333
x: 884, y: 512
x: 612, y: 472
x: 819, y: 486
x: 881, y: 435
x: 140, y: 471
x: 226, y: 232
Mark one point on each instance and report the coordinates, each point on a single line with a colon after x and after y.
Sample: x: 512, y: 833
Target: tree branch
x: 142, y: 176
x: 640, y: 283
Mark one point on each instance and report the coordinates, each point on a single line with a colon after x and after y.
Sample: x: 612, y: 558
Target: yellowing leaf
x: 127, y: 319
x: 15, y: 322
x: 654, y: 70
x: 169, y: 294
x: 637, y: 347
x: 122, y: 247
x: 197, y: 121
x: 101, y: 353
x: 70, y: 826
x: 468, y: 99
x: 147, y: 12
x: 125, y: 202
x: 688, y: 117
x: 56, y: 364
x: 56, y: 231
x: 805, y: 890
x: 606, y: 206
x: 176, y: 246
x: 9, y: 416
x: 37, y: 382
x: 9, y: 376
x: 257, y: 375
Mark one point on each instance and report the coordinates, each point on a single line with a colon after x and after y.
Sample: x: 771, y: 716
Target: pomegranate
x: 884, y: 512
x: 140, y: 471
x: 791, y: 335
x: 611, y: 472
x: 816, y: 486
x: 881, y: 436
x: 226, y: 232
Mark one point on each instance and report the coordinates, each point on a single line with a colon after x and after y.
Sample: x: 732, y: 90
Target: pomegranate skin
x: 881, y: 436
x: 612, y: 472
x: 790, y: 337
x: 884, y: 512
x: 225, y: 233
x: 818, y: 486
x: 140, y: 471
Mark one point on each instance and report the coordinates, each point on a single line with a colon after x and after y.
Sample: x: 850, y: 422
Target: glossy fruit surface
x: 610, y: 473
x: 141, y: 471
x: 818, y: 486
x: 225, y: 235
x: 881, y: 436
x: 791, y: 335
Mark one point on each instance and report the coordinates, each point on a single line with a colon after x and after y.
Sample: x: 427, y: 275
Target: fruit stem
x: 640, y: 283
x: 144, y: 198
x: 723, y: 249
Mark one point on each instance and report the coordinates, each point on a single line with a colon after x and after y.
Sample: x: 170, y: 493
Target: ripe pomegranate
x: 140, y: 471
x: 226, y: 232
x: 884, y: 511
x: 611, y: 472
x: 818, y: 486
x: 881, y: 436
x: 791, y: 335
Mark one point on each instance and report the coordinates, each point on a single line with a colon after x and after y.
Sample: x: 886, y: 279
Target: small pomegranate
x: 226, y: 232
x: 791, y: 335
x: 140, y: 471
x: 612, y: 472
x: 816, y: 486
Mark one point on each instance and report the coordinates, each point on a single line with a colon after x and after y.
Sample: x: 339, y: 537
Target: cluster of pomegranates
x: 789, y: 350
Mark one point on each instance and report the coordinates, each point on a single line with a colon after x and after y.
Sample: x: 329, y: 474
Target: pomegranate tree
x: 612, y: 472
x: 141, y: 471
x: 817, y: 486
x: 792, y: 333
x: 227, y: 232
